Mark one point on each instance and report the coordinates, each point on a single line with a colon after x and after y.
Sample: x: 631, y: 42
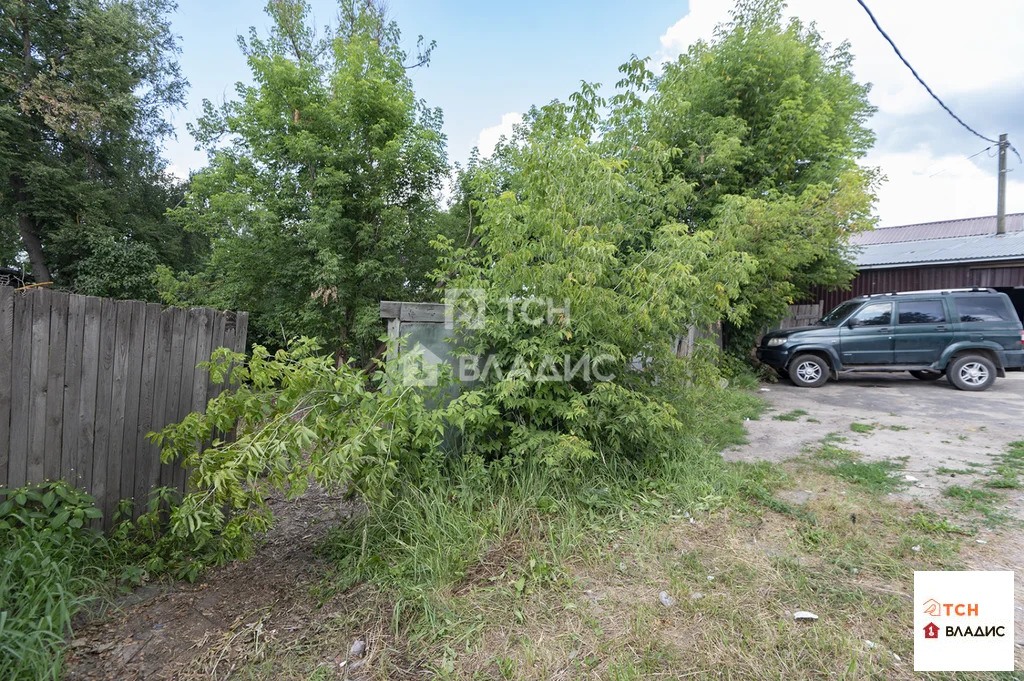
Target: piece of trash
x: 869, y: 644
x: 854, y: 570
x: 896, y: 656
x: 915, y: 549
x: 764, y: 390
x: 910, y: 478
x: 692, y: 521
x: 666, y: 600
x: 711, y: 578
x: 357, y: 649
x: 981, y: 541
x: 696, y: 596
x: 622, y: 566
x: 804, y: 615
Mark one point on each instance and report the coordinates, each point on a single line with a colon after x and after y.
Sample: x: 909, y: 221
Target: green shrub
x: 50, y: 558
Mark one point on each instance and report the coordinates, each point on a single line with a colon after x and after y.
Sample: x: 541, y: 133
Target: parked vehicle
x: 971, y: 336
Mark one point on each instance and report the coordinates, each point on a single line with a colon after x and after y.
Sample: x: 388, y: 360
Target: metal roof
x: 1009, y: 246
x: 945, y: 229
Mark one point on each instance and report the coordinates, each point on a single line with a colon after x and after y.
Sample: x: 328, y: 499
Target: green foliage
x: 84, y: 88
x: 565, y: 223
x: 298, y: 418
x: 793, y: 415
x: 767, y: 123
x: 318, y: 199
x: 426, y: 539
x: 49, y: 568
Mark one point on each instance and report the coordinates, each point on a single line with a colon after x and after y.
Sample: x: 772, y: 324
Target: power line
x: 919, y: 79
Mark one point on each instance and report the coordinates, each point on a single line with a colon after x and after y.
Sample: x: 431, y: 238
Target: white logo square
x: 963, y: 621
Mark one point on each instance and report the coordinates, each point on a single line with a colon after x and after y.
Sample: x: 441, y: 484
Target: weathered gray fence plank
x: 160, y: 389
x: 141, y: 448
x: 101, y: 442
x: 91, y: 363
x: 6, y: 373
x: 21, y: 354
x: 188, y: 372
x: 72, y: 391
x: 118, y: 401
x: 174, y: 385
x: 55, y: 384
x: 133, y: 385
x: 37, y: 384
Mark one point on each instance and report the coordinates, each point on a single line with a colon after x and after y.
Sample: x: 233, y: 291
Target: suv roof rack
x: 940, y: 291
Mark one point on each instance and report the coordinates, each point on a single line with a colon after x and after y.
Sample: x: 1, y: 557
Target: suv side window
x: 921, y: 312
x: 873, y: 314
x: 982, y: 309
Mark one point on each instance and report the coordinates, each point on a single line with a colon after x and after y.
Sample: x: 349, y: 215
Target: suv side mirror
x: 851, y: 323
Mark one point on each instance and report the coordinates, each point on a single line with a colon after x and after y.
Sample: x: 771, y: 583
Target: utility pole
x: 1001, y: 203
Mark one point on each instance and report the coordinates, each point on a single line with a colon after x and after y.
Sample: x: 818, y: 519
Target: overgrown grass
x: 875, y: 476
x: 791, y: 415
x: 49, y: 572
x: 429, y: 540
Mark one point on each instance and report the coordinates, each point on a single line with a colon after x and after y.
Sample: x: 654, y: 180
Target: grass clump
x: 51, y: 565
x: 876, y: 476
x: 861, y: 427
x: 790, y: 415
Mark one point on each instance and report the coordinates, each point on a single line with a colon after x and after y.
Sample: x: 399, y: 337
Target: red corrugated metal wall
x: 923, y: 278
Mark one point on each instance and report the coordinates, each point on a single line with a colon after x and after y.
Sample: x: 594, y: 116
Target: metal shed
x: 937, y: 255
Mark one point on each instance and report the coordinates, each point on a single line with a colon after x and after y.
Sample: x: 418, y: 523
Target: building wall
x: 993, y: 274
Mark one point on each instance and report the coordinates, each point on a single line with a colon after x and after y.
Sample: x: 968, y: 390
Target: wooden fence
x: 84, y: 380
x: 802, y: 315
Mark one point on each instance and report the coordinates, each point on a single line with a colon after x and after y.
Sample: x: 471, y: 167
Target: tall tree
x: 319, y: 194
x: 84, y: 85
x: 768, y: 124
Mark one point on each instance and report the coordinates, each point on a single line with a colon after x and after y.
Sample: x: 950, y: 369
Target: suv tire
x: 809, y: 371
x: 926, y: 375
x: 972, y: 372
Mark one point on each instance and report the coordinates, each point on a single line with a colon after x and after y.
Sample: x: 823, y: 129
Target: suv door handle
x: 940, y: 327
x: 884, y: 329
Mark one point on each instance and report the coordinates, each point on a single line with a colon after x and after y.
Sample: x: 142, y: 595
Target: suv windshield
x: 837, y: 315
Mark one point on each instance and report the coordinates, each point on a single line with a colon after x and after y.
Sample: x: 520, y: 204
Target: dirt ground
x: 931, y: 423
x: 201, y: 631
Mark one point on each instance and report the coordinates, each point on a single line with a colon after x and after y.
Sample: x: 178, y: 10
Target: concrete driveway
x: 948, y: 436
x: 932, y: 423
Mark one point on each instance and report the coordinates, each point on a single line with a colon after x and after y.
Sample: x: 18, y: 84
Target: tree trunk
x: 40, y: 272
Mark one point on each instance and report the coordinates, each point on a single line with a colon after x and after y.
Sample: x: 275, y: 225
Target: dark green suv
x: 969, y: 335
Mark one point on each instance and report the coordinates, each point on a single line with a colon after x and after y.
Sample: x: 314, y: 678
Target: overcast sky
x: 492, y: 63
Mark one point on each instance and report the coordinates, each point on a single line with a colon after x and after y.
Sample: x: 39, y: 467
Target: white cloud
x: 489, y: 137
x: 698, y: 24
x: 923, y: 187
x: 176, y: 172
x: 960, y: 50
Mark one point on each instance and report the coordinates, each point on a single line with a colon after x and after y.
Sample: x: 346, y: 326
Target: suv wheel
x: 926, y: 375
x: 808, y: 371
x: 972, y: 372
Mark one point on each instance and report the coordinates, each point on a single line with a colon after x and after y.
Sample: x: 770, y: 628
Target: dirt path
x: 203, y: 630
x: 948, y: 437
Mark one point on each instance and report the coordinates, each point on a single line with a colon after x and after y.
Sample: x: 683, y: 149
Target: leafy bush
x: 297, y: 418
x: 50, y: 566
